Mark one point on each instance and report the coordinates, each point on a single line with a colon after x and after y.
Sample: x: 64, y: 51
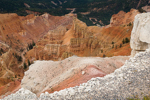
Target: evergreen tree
x: 33, y: 44
x: 29, y: 62
x: 127, y: 40
x: 25, y: 66
x: 123, y: 41
x: 120, y: 45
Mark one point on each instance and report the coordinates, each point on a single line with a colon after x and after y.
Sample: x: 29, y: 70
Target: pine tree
x: 25, y: 66
x: 123, y: 41
x: 33, y: 44
x: 120, y: 45
x: 29, y: 62
x: 127, y: 40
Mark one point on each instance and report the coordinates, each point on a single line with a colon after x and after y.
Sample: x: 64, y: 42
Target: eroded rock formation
x: 81, y: 40
x: 18, y: 32
x: 123, y: 17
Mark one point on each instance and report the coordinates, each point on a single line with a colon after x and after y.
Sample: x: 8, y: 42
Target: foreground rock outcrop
x: 131, y: 80
x: 54, y: 76
x: 140, y: 36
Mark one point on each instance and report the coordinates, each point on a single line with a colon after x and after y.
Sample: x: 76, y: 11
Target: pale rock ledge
x: 140, y: 35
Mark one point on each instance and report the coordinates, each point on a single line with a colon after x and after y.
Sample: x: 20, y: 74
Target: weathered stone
x: 140, y: 36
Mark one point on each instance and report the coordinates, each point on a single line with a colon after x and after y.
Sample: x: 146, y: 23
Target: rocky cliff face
x: 17, y: 33
x: 81, y: 40
x: 123, y: 17
x: 140, y: 40
x: 20, y: 31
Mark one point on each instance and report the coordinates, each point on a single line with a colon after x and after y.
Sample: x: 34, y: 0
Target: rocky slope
x: 72, y: 71
x: 131, y: 80
x: 17, y: 35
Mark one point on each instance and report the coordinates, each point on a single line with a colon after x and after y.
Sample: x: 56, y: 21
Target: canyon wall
x: 19, y: 33
x: 82, y: 40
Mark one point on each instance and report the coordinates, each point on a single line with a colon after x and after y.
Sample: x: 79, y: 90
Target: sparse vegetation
x: 116, y: 47
x: 31, y: 45
x: 120, y: 45
x: 19, y: 58
x: 25, y: 66
x: 104, y: 55
x: 101, y: 50
x: 136, y: 98
x: 126, y: 40
x: 129, y: 24
x: 113, y: 46
x: 141, y: 10
x: 1, y: 51
x: 29, y: 63
x: 123, y: 41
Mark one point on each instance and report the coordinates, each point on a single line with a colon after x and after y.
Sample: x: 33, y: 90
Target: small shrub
x: 19, y: 58
x: 33, y: 43
x: 29, y: 62
x: 104, y: 55
x: 120, y: 45
x: 25, y: 66
x: 101, y: 51
x: 116, y: 47
x: 123, y: 41
x: 2, y: 50
x: 113, y: 46
x: 141, y: 10
x: 129, y: 24
x: 127, y: 40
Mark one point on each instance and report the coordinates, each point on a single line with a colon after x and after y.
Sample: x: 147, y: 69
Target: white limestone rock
x: 140, y: 35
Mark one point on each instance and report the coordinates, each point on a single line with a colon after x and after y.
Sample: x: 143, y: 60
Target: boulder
x: 140, y: 35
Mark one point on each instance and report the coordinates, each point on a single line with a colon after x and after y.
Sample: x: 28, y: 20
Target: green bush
x: 127, y: 40
x: 25, y: 66
x: 141, y: 10
x: 29, y: 62
x: 123, y: 41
